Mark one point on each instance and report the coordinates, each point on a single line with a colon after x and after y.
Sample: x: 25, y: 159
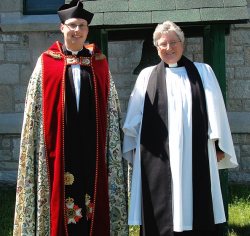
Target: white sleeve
x: 133, y: 119
x: 219, y: 128
x: 131, y: 143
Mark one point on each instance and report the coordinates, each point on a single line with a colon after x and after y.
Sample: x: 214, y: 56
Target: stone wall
x: 238, y: 96
x: 18, y: 55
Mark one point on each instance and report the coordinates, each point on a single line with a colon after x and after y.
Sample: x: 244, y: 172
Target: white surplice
x: 180, y: 142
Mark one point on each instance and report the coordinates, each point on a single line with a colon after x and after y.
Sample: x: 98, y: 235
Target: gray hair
x: 164, y: 28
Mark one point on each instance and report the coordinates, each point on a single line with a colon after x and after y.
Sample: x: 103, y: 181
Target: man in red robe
x: 70, y: 176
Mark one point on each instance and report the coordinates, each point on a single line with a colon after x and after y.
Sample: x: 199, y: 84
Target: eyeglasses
x: 73, y: 26
x: 171, y: 44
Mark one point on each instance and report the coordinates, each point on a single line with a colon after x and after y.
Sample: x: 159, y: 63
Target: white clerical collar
x: 173, y: 65
x: 73, y: 52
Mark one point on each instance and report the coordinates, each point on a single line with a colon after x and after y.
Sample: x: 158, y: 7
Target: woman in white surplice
x: 177, y: 136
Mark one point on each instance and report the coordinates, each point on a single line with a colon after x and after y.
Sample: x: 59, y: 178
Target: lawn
x: 239, y: 211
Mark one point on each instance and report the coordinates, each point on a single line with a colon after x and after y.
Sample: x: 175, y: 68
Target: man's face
x: 75, y: 32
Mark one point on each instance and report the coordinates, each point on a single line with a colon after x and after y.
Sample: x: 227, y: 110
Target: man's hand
x: 220, y: 155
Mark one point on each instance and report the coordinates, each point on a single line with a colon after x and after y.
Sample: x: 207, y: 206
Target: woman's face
x: 170, y: 48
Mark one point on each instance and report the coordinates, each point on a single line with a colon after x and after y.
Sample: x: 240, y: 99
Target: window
x: 39, y: 7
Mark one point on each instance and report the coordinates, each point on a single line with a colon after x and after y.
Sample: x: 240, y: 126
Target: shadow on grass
x: 238, y: 191
x: 240, y: 230
x: 7, y: 205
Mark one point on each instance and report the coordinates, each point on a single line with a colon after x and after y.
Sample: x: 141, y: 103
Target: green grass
x: 239, y: 211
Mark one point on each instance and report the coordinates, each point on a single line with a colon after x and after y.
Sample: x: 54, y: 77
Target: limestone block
x: 26, y: 71
x: 245, y: 151
x: 124, y: 65
x: 245, y: 163
x: 247, y: 55
x: 6, y: 143
x: 8, y: 177
x: 240, y: 37
x: 113, y: 65
x: 239, y: 89
x: 151, y: 5
x: 124, y: 80
x: 241, y: 138
x: 192, y: 15
x: 187, y: 4
x: 9, y: 73
x: 6, y: 101
x: 235, y: 13
x: 236, y: 49
x: 118, y: 18
x: 234, y: 59
x: 17, y: 55
x: 16, y: 149
x: 11, y: 123
x: 198, y: 57
x: 19, y: 107
x: 247, y: 105
x: 106, y: 6
x: 8, y: 165
x: 235, y: 104
x: 1, y: 52
x: 239, y: 122
x: 194, y: 40
x: 7, y: 6
x: 9, y: 38
x: 20, y: 93
x: 234, y: 3
x: 242, y: 73
x: 230, y: 73
x: 239, y: 177
x: 5, y: 155
x: 193, y: 48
